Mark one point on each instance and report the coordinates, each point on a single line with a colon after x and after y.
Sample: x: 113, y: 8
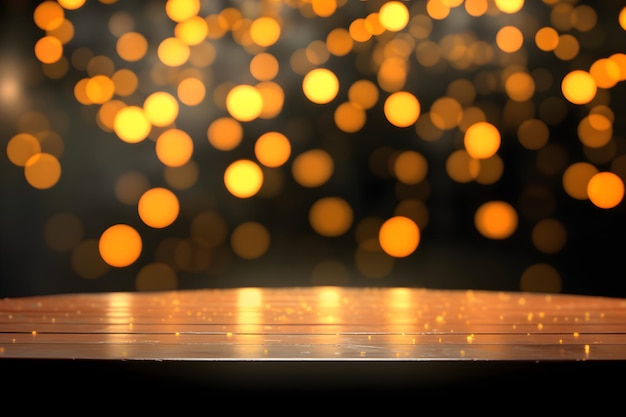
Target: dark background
x: 451, y: 255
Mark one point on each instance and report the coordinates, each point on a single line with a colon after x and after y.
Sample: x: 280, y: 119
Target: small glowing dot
x: 576, y: 334
x: 229, y: 334
x: 34, y: 332
x: 539, y: 326
x: 587, y: 349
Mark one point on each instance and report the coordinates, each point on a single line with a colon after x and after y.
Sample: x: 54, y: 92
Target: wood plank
x: 316, y: 330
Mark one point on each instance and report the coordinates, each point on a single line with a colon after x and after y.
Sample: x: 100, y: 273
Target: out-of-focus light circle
x: 350, y: 117
x: 482, y: 140
x: 320, y: 85
x: 410, y: 167
x: 250, y: 240
x: 402, y: 109
x: 579, y: 87
x: 120, y: 245
x: 131, y: 46
x: 265, y: 31
x: 393, y: 16
x: 364, y: 93
x: 509, y: 6
x: 179, y: 10
x: 191, y: 91
x: 496, y: 220
x: 174, y: 147
x: 21, y: 147
x: 509, y: 39
x: 156, y: 276
x: 549, y: 236
x: 131, y: 124
x: 243, y: 178
x: 272, y: 149
x: 541, y: 277
x: 399, y: 236
x: 71, y: 4
x: 161, y: 108
x: 331, y: 216
x: 192, y: 31
x: 42, y: 170
x: 605, y: 190
x: 99, y: 89
x: 576, y: 178
x: 312, y: 168
x: 264, y: 66
x: 158, y: 207
x: 225, y: 133
x: 48, y: 49
x: 244, y: 102
x: 48, y: 15
x: 173, y: 52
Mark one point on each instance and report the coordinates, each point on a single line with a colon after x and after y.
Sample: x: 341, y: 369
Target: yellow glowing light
x: 621, y: 17
x: 579, y: 87
x: 71, y: 4
x: 399, y: 236
x: 272, y: 149
x: 173, y: 52
x: 131, y: 124
x: 179, y: 10
x: 394, y: 16
x: 482, y: 140
x: 496, y: 220
x: 509, y: 6
x: 243, y: 178
x: 331, y: 216
x: 320, y: 85
x: 42, y: 170
x: 192, y: 31
x: 402, y: 109
x: 174, y: 147
x: 265, y: 31
x: 244, y: 102
x: 605, y: 189
x: 120, y: 245
x: 161, y: 108
x: 158, y: 207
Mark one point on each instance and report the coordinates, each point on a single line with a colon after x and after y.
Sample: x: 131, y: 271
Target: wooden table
x: 319, y: 339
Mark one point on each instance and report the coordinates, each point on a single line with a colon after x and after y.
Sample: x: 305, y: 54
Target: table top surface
x: 315, y: 323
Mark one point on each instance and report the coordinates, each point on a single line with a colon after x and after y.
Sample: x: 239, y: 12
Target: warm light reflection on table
x: 315, y: 323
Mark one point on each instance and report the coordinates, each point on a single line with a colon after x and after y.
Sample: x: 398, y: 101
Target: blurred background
x: 182, y: 144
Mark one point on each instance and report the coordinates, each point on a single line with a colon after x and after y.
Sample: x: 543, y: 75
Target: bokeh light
x: 451, y: 144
